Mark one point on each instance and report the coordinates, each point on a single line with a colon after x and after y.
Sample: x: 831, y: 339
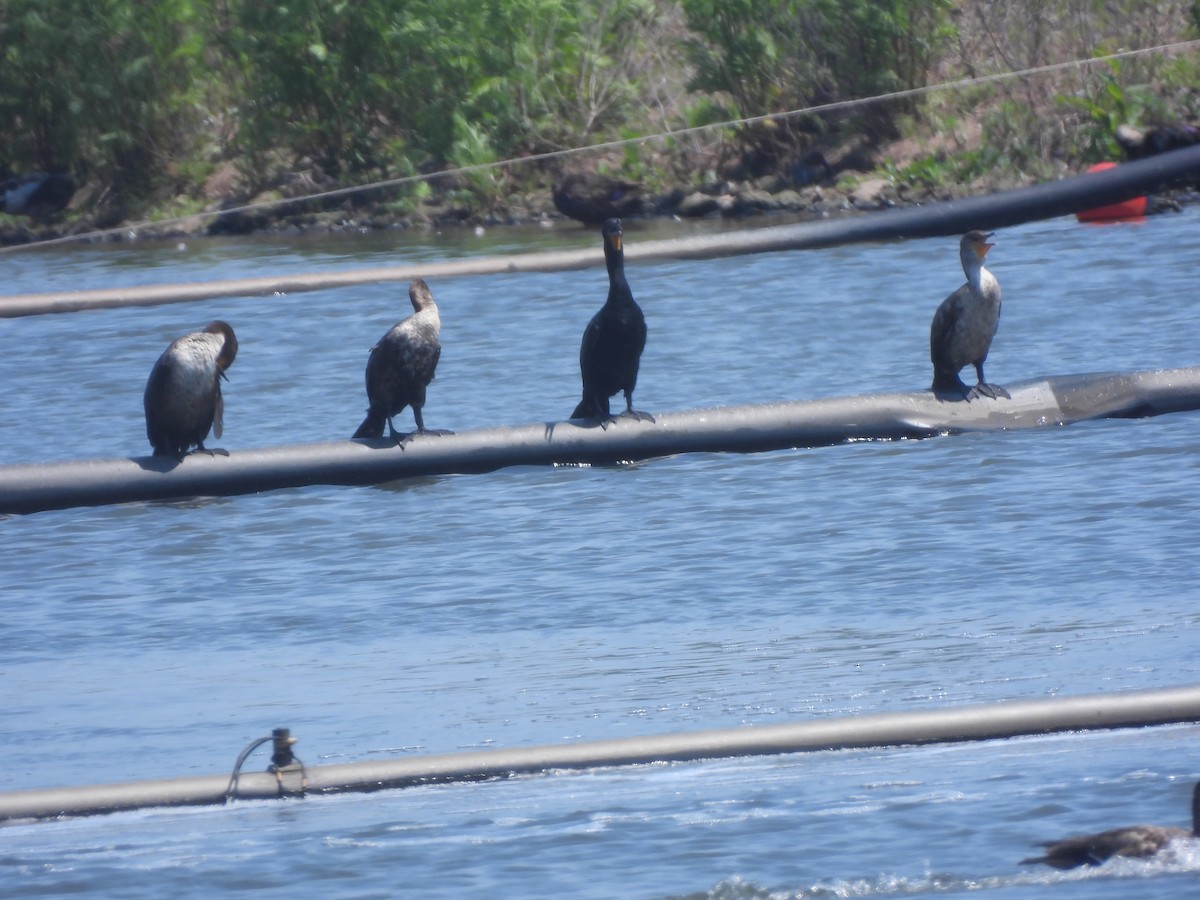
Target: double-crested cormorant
x: 965, y: 323
x: 183, y: 394
x: 613, y: 340
x: 401, y: 366
x: 592, y: 198
x: 1137, y: 841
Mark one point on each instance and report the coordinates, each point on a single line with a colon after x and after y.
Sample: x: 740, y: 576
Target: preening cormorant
x: 183, y: 394
x: 401, y: 366
x: 613, y: 340
x: 1136, y: 841
x: 965, y: 323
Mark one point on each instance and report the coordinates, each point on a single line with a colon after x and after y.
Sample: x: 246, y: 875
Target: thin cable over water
x: 835, y: 106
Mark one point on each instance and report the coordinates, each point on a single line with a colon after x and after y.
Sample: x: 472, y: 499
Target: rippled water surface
x: 543, y: 606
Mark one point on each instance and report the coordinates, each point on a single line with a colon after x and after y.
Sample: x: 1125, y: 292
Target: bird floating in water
x: 1135, y: 841
x: 183, y: 394
x: 965, y: 323
x: 592, y: 198
x: 613, y: 341
x: 401, y: 366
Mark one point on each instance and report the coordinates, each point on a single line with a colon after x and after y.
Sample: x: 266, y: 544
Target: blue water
x: 540, y: 606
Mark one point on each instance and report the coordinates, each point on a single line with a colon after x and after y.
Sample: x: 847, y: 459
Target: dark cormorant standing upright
x: 965, y: 323
x: 1137, y: 841
x: 613, y: 340
x: 401, y: 366
x: 183, y: 394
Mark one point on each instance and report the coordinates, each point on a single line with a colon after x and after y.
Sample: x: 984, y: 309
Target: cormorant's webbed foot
x: 983, y: 389
x: 637, y: 415
x: 403, y: 440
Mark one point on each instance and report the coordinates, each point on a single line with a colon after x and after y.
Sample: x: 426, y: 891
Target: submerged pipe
x: 1056, y: 198
x: 983, y: 721
x: 1061, y: 400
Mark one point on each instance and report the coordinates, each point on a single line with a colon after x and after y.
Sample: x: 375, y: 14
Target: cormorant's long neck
x: 974, y: 271
x: 618, y: 287
x: 1196, y: 811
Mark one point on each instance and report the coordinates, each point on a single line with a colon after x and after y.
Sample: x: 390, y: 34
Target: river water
x: 542, y: 606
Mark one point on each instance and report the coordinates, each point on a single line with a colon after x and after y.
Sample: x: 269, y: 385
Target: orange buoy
x: 1133, y: 208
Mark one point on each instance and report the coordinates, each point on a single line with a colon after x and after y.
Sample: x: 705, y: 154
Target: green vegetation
x: 791, y: 54
x: 144, y: 102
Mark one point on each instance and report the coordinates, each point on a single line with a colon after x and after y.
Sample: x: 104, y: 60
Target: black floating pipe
x: 991, y: 211
x: 976, y: 722
x: 36, y: 487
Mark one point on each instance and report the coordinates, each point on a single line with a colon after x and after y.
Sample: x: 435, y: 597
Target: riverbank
x: 292, y: 208
x: 306, y: 202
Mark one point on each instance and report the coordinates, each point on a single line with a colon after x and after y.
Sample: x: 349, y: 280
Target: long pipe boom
x: 1055, y: 198
x: 35, y: 487
x: 975, y: 722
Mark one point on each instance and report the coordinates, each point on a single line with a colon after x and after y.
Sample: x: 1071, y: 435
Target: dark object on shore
x: 183, y: 394
x: 965, y: 323
x: 1135, y: 841
x: 1141, y: 144
x: 38, y: 194
x: 592, y: 199
x: 613, y: 340
x: 811, y: 168
x: 401, y: 366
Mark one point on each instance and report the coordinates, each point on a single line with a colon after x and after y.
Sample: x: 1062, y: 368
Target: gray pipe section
x: 1042, y: 201
x: 812, y: 423
x: 985, y: 721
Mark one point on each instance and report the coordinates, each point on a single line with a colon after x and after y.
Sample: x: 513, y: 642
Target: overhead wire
x: 833, y: 106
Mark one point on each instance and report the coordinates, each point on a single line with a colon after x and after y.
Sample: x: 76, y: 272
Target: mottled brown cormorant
x: 401, y: 366
x: 613, y: 340
x: 1136, y: 841
x: 965, y: 323
x: 183, y: 394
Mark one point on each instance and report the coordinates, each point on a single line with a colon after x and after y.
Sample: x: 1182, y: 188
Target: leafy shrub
x: 770, y: 56
x: 100, y: 86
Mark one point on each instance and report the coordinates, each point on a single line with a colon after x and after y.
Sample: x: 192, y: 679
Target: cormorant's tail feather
x: 585, y: 410
x: 372, y: 426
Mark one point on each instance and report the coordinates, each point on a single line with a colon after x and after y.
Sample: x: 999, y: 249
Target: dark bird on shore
x: 183, y: 394
x: 613, y: 340
x: 1136, y: 841
x: 37, y: 194
x: 592, y: 198
x: 1163, y: 139
x: 965, y: 323
x: 401, y: 366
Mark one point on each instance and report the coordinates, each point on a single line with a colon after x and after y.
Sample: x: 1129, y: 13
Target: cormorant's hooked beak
x: 985, y: 245
x: 221, y: 373
x: 612, y: 234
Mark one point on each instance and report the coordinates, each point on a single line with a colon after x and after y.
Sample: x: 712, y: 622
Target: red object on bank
x: 1133, y: 208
